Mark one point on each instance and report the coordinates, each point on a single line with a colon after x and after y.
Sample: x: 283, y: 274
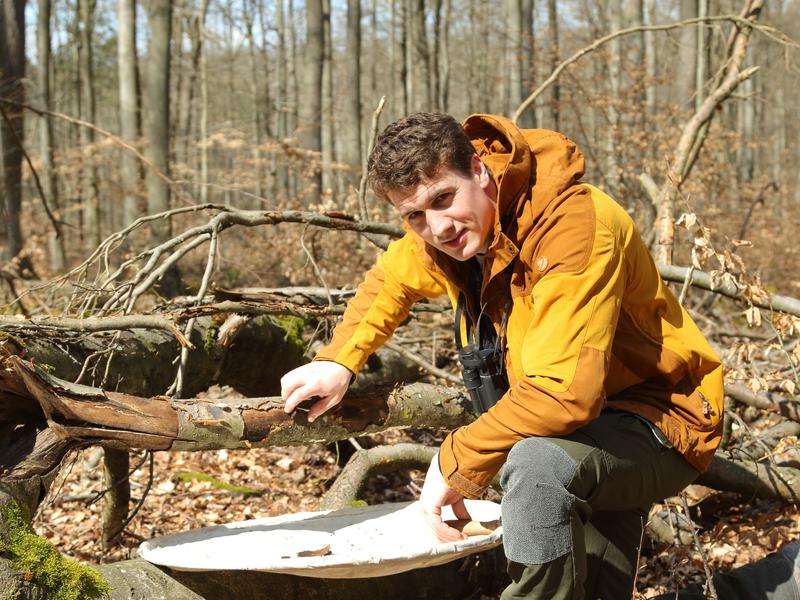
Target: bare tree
x: 310, y: 109
x: 90, y: 194
x: 129, y: 114
x: 555, y: 97
x: 159, y: 18
x: 46, y: 141
x: 351, y: 135
x: 12, y: 66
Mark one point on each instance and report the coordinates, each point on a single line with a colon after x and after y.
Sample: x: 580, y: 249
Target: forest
x: 185, y: 214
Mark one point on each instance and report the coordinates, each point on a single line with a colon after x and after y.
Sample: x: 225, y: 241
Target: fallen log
x: 71, y: 416
x: 143, y: 362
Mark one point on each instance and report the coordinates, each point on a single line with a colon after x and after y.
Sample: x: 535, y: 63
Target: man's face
x: 452, y: 212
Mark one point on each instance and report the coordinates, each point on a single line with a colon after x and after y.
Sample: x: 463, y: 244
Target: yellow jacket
x: 590, y: 322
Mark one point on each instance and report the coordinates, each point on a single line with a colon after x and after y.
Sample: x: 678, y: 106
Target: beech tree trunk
x: 47, y: 171
x: 12, y: 65
x: 310, y: 108
x: 159, y: 17
x: 129, y: 115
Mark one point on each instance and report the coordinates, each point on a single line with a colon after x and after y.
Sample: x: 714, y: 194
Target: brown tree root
x: 367, y: 463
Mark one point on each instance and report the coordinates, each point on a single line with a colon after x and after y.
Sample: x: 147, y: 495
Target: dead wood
x: 768, y: 401
x: 143, y: 361
x: 75, y: 415
x: 763, y: 479
x: 367, y: 463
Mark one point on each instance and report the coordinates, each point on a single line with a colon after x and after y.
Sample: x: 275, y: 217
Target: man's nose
x: 439, y: 224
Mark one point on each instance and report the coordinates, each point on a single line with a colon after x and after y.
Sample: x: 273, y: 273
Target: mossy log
x: 143, y: 363
x: 49, y: 416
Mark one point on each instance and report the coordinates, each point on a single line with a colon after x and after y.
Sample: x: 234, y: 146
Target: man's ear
x: 479, y: 170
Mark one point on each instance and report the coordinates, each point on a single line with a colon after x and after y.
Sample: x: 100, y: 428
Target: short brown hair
x: 414, y: 149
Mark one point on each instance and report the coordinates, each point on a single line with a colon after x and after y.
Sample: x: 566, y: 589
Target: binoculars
x: 481, y: 368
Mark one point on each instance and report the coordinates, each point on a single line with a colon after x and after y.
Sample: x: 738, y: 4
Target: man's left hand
x: 436, y: 494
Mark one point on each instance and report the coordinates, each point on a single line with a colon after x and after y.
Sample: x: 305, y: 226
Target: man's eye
x: 414, y: 215
x: 442, y: 199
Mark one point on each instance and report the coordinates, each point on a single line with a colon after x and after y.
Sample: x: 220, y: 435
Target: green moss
x: 62, y: 577
x: 211, y: 337
x: 294, y: 327
x: 221, y: 485
x: 358, y: 503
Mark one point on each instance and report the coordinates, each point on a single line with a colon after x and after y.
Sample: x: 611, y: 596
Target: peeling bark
x: 75, y: 415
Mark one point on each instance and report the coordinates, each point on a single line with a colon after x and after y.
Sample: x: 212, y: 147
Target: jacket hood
x: 532, y: 169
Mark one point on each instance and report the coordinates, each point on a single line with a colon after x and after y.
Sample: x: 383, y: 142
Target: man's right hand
x: 326, y: 379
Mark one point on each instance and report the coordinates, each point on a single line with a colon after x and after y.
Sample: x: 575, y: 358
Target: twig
x: 210, y: 264
x: 416, y: 358
x: 315, y: 266
x: 362, y: 186
x: 702, y: 280
x: 107, y: 134
x: 710, y: 589
x: 770, y: 32
x: 687, y: 281
x: 638, y: 558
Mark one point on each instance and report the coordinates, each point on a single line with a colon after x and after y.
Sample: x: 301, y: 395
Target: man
x: 614, y: 398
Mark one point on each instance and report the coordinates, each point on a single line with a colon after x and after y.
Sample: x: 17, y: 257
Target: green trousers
x: 574, y: 507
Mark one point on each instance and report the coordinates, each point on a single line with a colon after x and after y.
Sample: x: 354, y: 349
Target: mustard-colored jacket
x: 590, y: 323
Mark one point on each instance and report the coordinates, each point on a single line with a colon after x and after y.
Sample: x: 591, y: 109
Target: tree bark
x: 351, y: 133
x: 159, y: 17
x: 90, y: 195
x: 52, y: 416
x: 46, y: 141
x: 327, y: 154
x: 129, y: 115
x: 555, y: 97
x: 12, y: 66
x: 310, y: 108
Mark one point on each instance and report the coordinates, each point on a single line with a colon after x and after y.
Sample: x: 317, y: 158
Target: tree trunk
x: 555, y: 58
x: 90, y: 196
x: 420, y: 57
x: 310, y: 108
x: 528, y: 118
x: 327, y: 155
x: 12, y: 65
x: 514, y: 61
x: 159, y: 18
x: 129, y: 116
x: 250, y: 7
x: 47, y: 172
x: 444, y: 57
x: 684, y: 82
x: 351, y: 124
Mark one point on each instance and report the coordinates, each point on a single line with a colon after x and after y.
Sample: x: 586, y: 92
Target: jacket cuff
x: 350, y: 363
x: 448, y: 465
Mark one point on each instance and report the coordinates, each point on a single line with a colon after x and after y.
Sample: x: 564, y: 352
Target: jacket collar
x: 531, y: 169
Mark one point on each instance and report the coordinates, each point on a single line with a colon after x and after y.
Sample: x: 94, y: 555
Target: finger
x: 323, y: 405
x: 298, y: 395
x: 289, y: 383
x: 443, y: 532
x: 460, y: 510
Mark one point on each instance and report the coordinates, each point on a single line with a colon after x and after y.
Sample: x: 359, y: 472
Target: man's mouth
x: 457, y: 241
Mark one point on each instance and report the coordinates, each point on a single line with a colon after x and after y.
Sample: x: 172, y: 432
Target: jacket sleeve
x: 381, y: 303
x: 565, y: 357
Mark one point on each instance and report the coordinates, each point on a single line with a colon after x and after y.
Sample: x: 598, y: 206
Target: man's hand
x: 436, y: 494
x: 326, y: 379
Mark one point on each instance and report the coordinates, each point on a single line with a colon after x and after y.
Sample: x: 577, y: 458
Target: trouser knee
x: 537, y: 505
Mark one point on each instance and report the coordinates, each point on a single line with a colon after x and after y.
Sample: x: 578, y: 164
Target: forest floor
x: 273, y: 481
